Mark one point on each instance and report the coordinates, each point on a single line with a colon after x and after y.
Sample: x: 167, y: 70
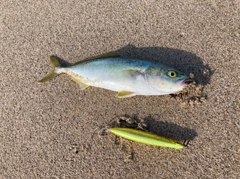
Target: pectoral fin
x: 125, y: 94
x: 133, y: 73
x: 83, y: 86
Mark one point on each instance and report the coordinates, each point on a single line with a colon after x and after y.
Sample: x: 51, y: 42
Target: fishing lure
x: 146, y: 138
x: 127, y: 76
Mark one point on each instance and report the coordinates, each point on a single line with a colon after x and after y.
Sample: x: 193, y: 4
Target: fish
x: 146, y: 138
x: 127, y: 76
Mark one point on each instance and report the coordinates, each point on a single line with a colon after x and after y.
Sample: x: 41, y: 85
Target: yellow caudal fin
x: 55, y: 63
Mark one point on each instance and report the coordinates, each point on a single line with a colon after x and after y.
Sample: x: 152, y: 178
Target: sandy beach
x: 49, y: 130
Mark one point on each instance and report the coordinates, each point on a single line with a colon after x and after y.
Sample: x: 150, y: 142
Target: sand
x: 47, y: 131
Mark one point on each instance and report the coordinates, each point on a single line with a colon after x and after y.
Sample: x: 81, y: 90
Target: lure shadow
x: 169, y: 130
x: 184, y: 61
x: 161, y: 128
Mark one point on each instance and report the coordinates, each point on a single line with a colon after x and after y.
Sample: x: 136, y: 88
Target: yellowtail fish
x: 146, y: 138
x: 127, y: 76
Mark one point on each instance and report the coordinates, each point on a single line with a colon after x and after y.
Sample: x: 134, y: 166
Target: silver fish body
x: 127, y: 76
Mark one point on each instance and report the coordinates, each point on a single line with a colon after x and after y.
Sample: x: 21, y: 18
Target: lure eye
x: 172, y: 74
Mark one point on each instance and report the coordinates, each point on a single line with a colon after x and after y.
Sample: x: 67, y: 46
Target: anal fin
x: 83, y: 86
x: 125, y: 94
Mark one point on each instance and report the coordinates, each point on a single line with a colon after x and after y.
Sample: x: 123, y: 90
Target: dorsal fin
x: 105, y: 55
x: 109, y: 54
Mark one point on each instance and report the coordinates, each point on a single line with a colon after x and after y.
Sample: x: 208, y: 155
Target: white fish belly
x: 115, y: 79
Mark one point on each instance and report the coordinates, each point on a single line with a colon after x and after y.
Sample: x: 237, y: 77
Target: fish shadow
x: 149, y: 124
x: 184, y: 61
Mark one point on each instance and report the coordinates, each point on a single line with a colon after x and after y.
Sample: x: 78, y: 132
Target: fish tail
x: 55, y: 64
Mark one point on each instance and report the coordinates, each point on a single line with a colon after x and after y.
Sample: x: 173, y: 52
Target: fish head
x: 168, y: 80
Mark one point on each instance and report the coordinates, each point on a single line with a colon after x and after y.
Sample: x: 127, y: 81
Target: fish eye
x: 172, y: 74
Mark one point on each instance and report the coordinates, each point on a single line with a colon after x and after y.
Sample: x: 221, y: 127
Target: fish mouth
x: 187, y: 81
